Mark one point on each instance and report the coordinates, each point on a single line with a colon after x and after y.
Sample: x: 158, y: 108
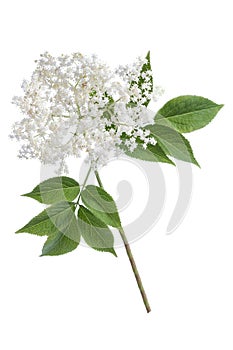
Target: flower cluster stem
x: 84, y: 184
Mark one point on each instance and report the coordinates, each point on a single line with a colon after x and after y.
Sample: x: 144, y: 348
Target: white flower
x: 157, y: 92
x: 75, y: 103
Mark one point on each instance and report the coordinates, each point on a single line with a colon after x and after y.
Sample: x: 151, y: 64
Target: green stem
x: 83, y: 185
x: 131, y: 258
x: 135, y: 270
x: 98, y: 179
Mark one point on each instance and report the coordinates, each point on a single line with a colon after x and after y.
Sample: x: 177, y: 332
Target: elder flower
x: 76, y: 103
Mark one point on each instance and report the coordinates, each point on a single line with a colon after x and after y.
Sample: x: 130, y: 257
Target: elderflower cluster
x: 76, y: 103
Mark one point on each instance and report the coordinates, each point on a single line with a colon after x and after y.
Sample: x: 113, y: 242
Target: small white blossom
x: 157, y: 92
x: 75, y: 103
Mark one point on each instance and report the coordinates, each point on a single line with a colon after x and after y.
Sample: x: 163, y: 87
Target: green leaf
x: 40, y: 225
x: 58, y: 244
x: 172, y: 143
x: 187, y: 113
x: 95, y: 233
x: 101, y: 204
x: 55, y: 190
x: 56, y: 217
x: 151, y: 153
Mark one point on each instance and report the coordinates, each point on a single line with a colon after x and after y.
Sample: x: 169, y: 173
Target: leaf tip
x: 197, y: 164
x: 43, y: 254
x: 112, y: 250
x: 19, y: 231
x: 25, y: 195
x: 171, y: 162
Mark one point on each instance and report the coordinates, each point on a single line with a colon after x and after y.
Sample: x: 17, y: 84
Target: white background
x: 86, y: 299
